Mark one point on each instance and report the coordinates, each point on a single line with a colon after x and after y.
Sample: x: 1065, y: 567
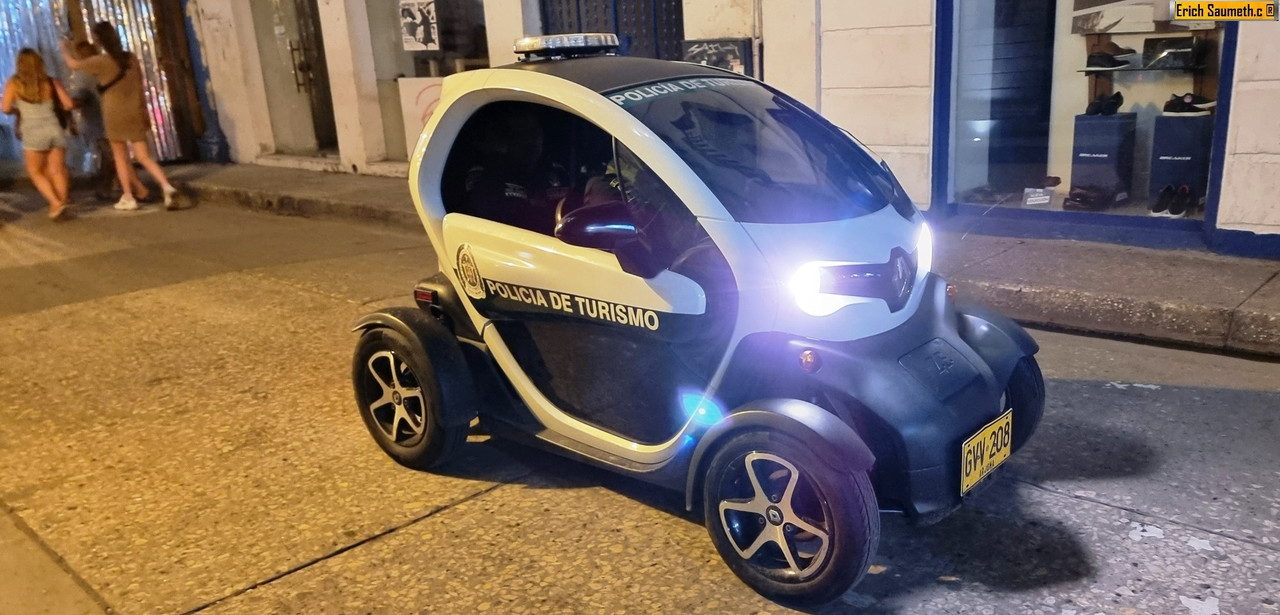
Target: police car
x: 685, y: 276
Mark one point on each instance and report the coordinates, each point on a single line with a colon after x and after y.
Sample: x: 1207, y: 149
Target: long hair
x: 31, y: 79
x: 105, y: 34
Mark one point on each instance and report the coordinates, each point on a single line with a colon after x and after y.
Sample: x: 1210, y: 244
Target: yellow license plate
x: 985, y: 450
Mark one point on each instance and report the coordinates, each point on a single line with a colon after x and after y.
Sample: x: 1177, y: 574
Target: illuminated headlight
x: 822, y: 288
x: 807, y: 285
x: 924, y: 249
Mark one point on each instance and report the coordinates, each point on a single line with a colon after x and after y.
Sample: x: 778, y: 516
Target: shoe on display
x: 126, y: 203
x: 1160, y: 208
x: 1181, y: 202
x: 1103, y: 61
x: 1114, y: 50
x: 1168, y: 53
x: 1112, y: 104
x: 1178, y: 107
x: 1088, y: 198
x: 1197, y: 101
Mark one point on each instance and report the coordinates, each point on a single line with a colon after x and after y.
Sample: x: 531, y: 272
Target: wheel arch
x: 998, y: 340
x: 458, y: 396
x: 834, y: 441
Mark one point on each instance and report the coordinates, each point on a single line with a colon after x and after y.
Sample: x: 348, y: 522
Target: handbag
x: 120, y: 75
x: 65, y: 119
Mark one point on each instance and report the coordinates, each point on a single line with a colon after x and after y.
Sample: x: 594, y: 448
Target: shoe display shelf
x: 1205, y: 74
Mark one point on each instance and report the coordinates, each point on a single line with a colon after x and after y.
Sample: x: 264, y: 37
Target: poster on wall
x: 418, y: 99
x: 731, y: 53
x: 418, y: 27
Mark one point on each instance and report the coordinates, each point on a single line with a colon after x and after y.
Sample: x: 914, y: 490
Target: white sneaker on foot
x: 126, y: 203
x: 169, y: 193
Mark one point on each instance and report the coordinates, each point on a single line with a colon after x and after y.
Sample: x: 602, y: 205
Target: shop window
x: 1082, y: 105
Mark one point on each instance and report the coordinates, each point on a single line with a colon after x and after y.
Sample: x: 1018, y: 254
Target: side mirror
x: 602, y: 226
x: 609, y: 227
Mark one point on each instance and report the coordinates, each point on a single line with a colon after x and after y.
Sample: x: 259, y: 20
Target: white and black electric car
x: 683, y: 275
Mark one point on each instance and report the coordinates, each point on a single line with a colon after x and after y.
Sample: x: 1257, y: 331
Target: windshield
x: 768, y: 159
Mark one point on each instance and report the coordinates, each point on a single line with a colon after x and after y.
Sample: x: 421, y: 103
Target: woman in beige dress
x: 124, y: 111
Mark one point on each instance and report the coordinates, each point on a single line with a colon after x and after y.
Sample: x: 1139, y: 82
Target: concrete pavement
x: 177, y: 435
x: 1180, y: 296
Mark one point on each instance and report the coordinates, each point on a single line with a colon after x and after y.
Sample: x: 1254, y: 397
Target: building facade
x: 1062, y: 118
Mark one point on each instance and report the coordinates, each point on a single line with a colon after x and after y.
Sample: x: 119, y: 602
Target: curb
x: 1183, y: 323
x: 305, y: 207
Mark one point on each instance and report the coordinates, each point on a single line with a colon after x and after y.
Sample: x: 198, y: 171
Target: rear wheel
x: 787, y: 524
x: 400, y: 401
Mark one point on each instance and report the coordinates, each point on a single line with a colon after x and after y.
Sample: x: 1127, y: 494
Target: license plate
x: 985, y: 450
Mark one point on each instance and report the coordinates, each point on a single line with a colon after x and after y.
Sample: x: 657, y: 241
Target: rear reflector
x: 424, y: 296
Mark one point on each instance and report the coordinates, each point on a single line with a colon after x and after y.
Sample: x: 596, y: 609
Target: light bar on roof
x: 567, y: 43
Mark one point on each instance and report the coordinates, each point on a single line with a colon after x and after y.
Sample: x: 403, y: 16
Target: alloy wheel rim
x: 782, y: 527
x: 400, y: 408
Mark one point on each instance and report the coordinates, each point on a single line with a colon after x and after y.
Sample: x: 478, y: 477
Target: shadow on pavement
x: 990, y: 542
x: 1074, y: 449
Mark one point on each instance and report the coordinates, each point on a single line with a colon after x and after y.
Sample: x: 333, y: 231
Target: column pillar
x: 353, y: 84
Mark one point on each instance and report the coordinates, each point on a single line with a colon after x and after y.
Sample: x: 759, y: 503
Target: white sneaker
x: 168, y: 198
x: 126, y: 203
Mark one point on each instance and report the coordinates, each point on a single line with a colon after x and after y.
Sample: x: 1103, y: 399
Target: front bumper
x: 915, y: 393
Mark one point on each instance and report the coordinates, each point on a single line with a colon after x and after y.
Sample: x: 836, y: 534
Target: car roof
x: 608, y: 73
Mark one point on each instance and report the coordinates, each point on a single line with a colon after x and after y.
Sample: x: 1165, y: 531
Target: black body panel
x: 448, y: 308
x: 914, y: 429
x: 621, y: 382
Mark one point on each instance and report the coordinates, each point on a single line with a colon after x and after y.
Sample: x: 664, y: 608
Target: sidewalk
x: 1181, y: 296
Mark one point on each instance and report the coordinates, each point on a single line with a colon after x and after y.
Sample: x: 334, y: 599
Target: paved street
x: 178, y: 434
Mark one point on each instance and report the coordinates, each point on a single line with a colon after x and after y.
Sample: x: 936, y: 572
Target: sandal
x: 59, y: 214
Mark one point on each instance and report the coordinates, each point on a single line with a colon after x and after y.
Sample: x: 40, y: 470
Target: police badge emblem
x: 469, y: 274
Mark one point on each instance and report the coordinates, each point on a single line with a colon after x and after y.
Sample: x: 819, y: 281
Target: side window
x: 516, y: 162
x: 667, y: 228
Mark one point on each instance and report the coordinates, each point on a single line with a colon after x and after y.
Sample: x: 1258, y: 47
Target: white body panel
x: 517, y: 256
x: 761, y: 257
x: 865, y: 240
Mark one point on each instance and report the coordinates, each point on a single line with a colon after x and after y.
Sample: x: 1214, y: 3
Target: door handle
x: 301, y: 76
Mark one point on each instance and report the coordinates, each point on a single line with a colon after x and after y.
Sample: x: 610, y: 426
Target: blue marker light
x: 704, y: 411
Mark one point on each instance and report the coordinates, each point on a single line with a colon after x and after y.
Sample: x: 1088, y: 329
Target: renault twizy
x: 685, y: 276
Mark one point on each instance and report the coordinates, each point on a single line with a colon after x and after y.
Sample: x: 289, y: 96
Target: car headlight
x: 822, y: 288
x: 807, y: 286
x: 924, y: 249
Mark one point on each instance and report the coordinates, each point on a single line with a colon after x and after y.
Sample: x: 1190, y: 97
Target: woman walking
x: 42, y: 103
x: 124, y: 111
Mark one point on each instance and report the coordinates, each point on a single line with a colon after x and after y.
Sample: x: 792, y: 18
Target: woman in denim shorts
x: 33, y: 93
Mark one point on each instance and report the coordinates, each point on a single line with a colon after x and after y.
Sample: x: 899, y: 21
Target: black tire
x: 843, y: 505
x: 1025, y: 394
x: 400, y: 401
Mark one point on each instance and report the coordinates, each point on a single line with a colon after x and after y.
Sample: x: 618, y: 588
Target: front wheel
x: 787, y: 524
x: 400, y: 400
